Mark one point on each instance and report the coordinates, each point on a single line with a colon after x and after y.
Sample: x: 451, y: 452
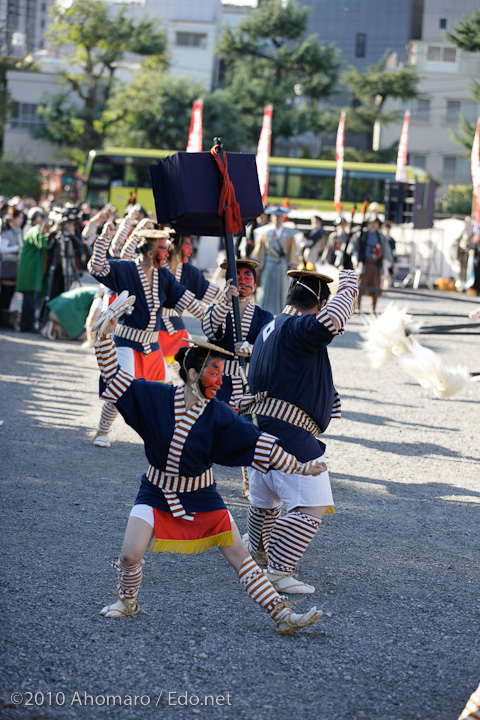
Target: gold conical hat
x: 309, y: 273
x: 209, y: 346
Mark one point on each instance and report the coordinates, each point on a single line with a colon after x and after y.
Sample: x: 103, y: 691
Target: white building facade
x: 446, y: 73
x: 193, y: 28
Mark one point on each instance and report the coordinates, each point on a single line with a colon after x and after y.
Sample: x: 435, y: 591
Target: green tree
x: 467, y: 35
x: 457, y: 200
x: 467, y: 38
x: 154, y: 111
x: 18, y: 176
x: 99, y: 44
x: 372, y: 88
x: 268, y: 59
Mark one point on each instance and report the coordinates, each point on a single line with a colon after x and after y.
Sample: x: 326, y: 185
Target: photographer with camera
x: 64, y: 247
x: 31, y: 268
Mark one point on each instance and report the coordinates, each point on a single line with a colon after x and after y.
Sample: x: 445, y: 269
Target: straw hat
x: 309, y: 273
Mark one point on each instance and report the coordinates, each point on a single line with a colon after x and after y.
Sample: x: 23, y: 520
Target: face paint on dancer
x: 161, y: 253
x: 186, y: 249
x: 246, y: 282
x: 211, y: 380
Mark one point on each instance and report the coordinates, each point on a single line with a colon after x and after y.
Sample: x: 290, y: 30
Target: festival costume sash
x: 208, y: 529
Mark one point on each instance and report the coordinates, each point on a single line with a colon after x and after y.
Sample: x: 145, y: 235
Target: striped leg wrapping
x: 259, y: 587
x: 129, y: 579
x: 290, y: 537
x: 260, y: 523
x: 108, y: 415
x: 472, y: 708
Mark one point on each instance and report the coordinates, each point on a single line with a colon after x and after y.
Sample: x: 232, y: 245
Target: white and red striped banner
x: 339, y: 157
x: 195, y: 136
x: 263, y: 150
x: 475, y: 166
x: 401, y: 174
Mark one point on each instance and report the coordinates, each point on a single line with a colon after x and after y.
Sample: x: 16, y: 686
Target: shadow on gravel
x: 410, y: 449
x: 344, y: 394
x: 366, y: 418
x: 424, y: 490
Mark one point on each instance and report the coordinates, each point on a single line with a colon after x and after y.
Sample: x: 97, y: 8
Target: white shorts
x: 126, y: 359
x: 276, y: 488
x: 145, y: 512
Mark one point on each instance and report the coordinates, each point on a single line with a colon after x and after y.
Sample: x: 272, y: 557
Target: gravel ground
x: 396, y: 568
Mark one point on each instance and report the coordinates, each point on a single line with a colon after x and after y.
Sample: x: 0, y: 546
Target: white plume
x: 386, y: 337
x: 431, y: 373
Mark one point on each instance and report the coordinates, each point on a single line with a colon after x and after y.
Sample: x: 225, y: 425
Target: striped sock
x: 290, y: 537
x: 109, y: 413
x: 129, y: 579
x: 260, y: 523
x: 261, y: 589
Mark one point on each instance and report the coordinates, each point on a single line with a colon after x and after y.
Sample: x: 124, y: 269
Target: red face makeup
x: 161, y: 254
x: 211, y: 380
x: 186, y: 249
x: 246, y: 281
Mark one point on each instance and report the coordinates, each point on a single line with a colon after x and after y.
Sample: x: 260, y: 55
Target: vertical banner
x: 401, y: 174
x: 263, y: 150
x: 475, y: 167
x: 339, y: 158
x: 195, y: 136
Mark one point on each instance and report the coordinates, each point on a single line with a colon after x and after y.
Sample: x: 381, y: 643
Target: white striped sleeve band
x: 90, y: 232
x: 120, y: 236
x: 106, y: 353
x: 118, y: 386
x: 337, y: 407
x: 189, y: 302
x: 215, y: 318
x: 98, y: 265
x: 284, y: 461
x: 341, y: 307
x: 263, y: 452
x: 211, y: 293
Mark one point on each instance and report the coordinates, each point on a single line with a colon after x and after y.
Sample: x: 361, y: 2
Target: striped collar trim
x: 289, y: 310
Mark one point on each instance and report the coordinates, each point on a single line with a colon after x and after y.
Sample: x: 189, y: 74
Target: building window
x: 421, y: 110
x: 449, y: 54
x: 360, y: 44
x: 191, y: 39
x: 24, y: 116
x: 435, y: 53
x: 419, y: 161
x: 453, y: 111
x: 442, y: 23
x: 449, y: 167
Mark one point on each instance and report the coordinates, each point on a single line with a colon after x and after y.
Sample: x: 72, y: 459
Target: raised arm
x: 98, y: 265
x: 129, y: 249
x: 341, y: 307
x: 215, y: 316
x: 120, y: 237
x: 90, y: 231
x: 116, y: 378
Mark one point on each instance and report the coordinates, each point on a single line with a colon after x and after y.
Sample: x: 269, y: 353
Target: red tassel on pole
x: 228, y: 204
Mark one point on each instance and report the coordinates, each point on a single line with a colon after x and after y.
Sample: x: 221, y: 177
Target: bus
x: 116, y: 174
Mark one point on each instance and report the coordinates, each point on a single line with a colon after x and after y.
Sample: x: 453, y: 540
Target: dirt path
x: 396, y: 568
